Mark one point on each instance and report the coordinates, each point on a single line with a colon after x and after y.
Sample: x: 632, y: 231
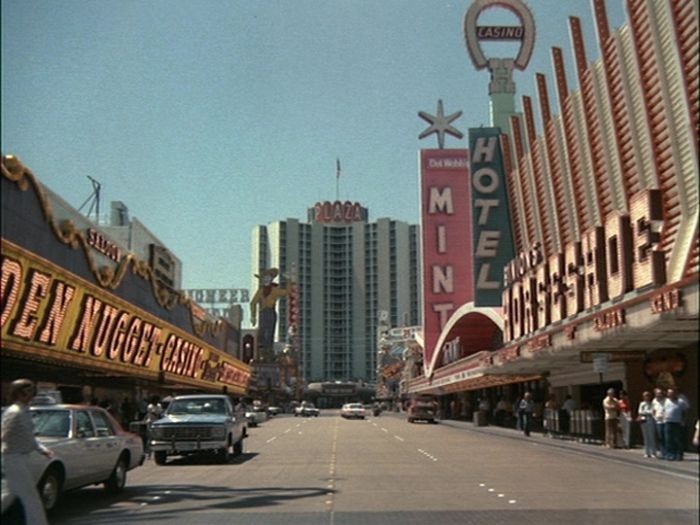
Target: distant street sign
x: 600, y: 362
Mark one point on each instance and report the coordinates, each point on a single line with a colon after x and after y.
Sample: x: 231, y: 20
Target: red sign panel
x: 446, y: 225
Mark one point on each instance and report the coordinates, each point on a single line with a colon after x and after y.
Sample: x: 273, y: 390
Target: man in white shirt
x: 18, y: 441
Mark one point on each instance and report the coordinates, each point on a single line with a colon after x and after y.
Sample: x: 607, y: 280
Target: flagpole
x: 337, y: 179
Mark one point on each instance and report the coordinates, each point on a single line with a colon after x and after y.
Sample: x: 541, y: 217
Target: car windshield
x: 355, y: 405
x: 197, y: 406
x: 51, y: 423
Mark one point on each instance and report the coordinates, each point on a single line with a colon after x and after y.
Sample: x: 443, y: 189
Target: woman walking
x: 645, y: 417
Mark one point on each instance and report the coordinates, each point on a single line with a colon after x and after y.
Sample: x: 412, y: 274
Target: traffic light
x: 248, y: 348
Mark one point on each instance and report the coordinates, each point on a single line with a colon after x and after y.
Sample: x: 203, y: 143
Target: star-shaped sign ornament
x: 440, y: 124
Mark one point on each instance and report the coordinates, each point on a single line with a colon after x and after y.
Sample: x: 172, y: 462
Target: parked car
x: 195, y: 424
x: 89, y: 445
x: 353, y: 411
x: 306, y: 409
x: 255, y: 415
x: 274, y: 410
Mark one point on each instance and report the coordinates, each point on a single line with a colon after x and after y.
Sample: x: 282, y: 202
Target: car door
x: 85, y: 450
x: 107, y: 443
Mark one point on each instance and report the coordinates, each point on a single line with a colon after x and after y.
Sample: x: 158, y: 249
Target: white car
x: 255, y: 416
x: 306, y: 409
x: 89, y: 447
x: 353, y: 410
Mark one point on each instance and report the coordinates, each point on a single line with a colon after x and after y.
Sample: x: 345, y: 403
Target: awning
x: 476, y: 383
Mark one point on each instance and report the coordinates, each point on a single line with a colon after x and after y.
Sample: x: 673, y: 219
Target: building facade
x: 603, y: 291
x: 349, y: 272
x: 86, y: 317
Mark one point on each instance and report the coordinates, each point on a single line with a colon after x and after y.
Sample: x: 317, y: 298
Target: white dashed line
x: 273, y: 438
x: 399, y: 438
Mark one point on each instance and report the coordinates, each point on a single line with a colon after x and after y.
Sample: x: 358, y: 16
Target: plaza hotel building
x: 351, y: 275
x: 603, y: 288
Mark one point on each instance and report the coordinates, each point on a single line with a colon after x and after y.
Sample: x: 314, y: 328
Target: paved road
x: 331, y: 471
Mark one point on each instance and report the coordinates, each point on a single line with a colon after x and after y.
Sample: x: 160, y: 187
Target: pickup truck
x: 195, y: 424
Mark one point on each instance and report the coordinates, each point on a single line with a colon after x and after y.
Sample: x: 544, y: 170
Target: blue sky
x: 209, y: 117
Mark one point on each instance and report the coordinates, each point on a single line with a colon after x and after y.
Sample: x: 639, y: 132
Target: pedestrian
x: 625, y: 418
x: 516, y: 411
x: 674, y: 414
x: 551, y: 407
x: 485, y: 407
x: 502, y: 411
x: 611, y: 409
x: 153, y: 413
x: 567, y: 413
x: 645, y: 418
x: 525, y: 411
x: 127, y: 411
x: 18, y: 441
x: 686, y: 423
x: 658, y: 412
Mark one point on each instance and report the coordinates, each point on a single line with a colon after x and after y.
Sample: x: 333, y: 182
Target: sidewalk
x: 689, y: 466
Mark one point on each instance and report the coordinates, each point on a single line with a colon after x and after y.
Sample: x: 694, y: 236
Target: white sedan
x: 353, y: 410
x: 255, y: 416
x: 89, y: 447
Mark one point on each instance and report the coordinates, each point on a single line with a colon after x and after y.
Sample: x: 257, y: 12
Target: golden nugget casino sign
x: 55, y: 307
x: 45, y: 309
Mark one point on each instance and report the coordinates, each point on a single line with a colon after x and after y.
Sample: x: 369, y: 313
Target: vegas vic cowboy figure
x: 266, y: 297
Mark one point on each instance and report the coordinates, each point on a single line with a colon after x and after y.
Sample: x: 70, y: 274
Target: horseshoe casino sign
x: 501, y: 68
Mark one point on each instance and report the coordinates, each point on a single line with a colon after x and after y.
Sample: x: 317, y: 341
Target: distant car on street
x: 353, y: 411
x: 306, y: 409
x: 255, y: 415
x: 195, y: 424
x: 422, y: 408
x: 89, y: 446
x: 274, y: 410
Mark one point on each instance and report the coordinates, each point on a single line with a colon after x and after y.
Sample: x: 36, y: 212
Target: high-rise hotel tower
x: 349, y: 272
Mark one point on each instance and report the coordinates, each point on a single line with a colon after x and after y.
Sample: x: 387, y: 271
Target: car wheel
x: 225, y: 453
x: 160, y: 457
x: 50, y: 488
x: 117, y: 481
x: 410, y: 420
x: 238, y: 447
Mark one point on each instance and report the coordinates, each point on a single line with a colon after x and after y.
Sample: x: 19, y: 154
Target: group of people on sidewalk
x: 662, y: 419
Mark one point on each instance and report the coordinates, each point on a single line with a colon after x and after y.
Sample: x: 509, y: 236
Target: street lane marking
x: 427, y: 454
x: 399, y: 438
x: 511, y: 501
x: 272, y: 439
x: 384, y: 430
